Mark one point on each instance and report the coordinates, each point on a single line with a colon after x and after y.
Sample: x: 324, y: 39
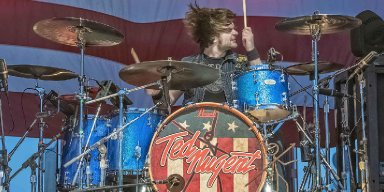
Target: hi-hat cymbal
x: 184, y: 75
x: 41, y: 72
x: 327, y: 23
x: 309, y: 68
x: 68, y: 31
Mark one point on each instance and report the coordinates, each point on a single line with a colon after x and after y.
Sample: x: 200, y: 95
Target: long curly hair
x: 203, y: 24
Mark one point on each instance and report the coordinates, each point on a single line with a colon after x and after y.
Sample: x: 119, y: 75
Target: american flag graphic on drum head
x: 212, y: 146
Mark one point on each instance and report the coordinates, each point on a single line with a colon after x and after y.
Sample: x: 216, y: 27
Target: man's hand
x: 247, y: 39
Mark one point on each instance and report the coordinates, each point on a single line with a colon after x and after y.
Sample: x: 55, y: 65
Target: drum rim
x: 239, y: 114
x: 262, y: 67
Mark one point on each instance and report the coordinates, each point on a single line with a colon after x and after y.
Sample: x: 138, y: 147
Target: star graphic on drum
x: 232, y: 126
x: 207, y: 126
x: 184, y: 124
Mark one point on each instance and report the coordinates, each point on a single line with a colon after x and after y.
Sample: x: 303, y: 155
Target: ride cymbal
x: 309, y: 68
x: 41, y: 72
x: 184, y: 75
x: 74, y: 31
x: 304, y: 25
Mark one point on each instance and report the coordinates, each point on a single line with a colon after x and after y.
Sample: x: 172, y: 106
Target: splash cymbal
x: 184, y: 75
x: 328, y: 24
x: 41, y: 72
x: 72, y: 31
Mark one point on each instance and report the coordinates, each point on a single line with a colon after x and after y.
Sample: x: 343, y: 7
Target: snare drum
x: 136, y: 139
x: 263, y: 93
x: 71, y: 149
x: 210, y: 147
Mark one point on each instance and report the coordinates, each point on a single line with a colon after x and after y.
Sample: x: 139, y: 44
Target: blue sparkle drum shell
x: 262, y: 93
x: 71, y: 149
x: 139, y: 133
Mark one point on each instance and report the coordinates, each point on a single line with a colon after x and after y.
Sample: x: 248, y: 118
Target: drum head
x: 211, y: 147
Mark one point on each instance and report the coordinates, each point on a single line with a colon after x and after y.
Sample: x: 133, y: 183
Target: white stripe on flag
x: 205, y: 176
x: 175, y: 167
x: 240, y: 144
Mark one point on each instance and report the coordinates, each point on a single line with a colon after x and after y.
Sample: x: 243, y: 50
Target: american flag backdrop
x: 154, y: 28
x: 231, y: 134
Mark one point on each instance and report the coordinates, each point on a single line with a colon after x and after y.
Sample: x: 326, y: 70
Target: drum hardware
x: 5, y: 158
x: 119, y: 136
x: 137, y: 156
x: 88, y: 174
x: 271, y: 163
x: 174, y: 183
x: 103, y: 164
x: 272, y: 56
x: 80, y: 33
x: 366, y: 59
x: 323, y: 159
x: 363, y: 163
x: 40, y: 73
x: 30, y: 162
x: 315, y: 25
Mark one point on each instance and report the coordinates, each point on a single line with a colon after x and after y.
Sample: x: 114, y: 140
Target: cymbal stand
x: 137, y: 155
x: 269, y: 181
x: 85, y: 147
x: 327, y: 135
x: 363, y: 164
x: 4, y: 183
x: 324, y: 161
x: 80, y: 31
x: 41, y: 158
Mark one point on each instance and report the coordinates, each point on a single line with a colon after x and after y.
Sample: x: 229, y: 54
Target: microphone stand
x: 30, y: 162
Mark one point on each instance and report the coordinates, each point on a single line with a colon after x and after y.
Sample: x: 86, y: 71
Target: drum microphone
x: 332, y: 92
x: 4, y: 74
x: 272, y: 54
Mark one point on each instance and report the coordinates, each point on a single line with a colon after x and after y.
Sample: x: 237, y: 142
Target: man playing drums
x: 214, y: 31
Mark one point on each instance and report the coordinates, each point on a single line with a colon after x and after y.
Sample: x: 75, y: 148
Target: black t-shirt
x: 214, y: 92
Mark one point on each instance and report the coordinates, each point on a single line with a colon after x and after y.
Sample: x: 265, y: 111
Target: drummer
x: 215, y: 32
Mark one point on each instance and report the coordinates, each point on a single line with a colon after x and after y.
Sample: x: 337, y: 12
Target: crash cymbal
x: 185, y: 75
x: 41, y: 72
x: 66, y: 31
x: 328, y: 24
x: 308, y: 68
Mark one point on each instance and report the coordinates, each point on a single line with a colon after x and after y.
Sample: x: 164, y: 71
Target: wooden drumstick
x: 245, y: 13
x: 134, y: 55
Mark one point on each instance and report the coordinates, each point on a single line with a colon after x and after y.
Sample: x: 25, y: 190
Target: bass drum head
x: 212, y: 147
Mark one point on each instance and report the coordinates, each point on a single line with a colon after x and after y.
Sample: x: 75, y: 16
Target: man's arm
x: 174, y: 95
x: 249, y: 45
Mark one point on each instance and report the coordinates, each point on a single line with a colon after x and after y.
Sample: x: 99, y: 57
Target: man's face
x: 227, y: 39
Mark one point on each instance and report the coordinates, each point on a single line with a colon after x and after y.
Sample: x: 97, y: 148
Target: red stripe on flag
x: 193, y: 179
x: 254, y: 145
x: 158, y: 172
x: 226, y: 180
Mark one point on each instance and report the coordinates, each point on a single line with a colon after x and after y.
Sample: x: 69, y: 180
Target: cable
x: 22, y: 106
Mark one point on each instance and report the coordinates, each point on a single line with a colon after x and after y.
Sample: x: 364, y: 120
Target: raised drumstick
x: 245, y: 13
x: 134, y: 55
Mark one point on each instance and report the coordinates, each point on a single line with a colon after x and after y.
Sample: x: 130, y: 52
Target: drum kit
x: 202, y: 146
